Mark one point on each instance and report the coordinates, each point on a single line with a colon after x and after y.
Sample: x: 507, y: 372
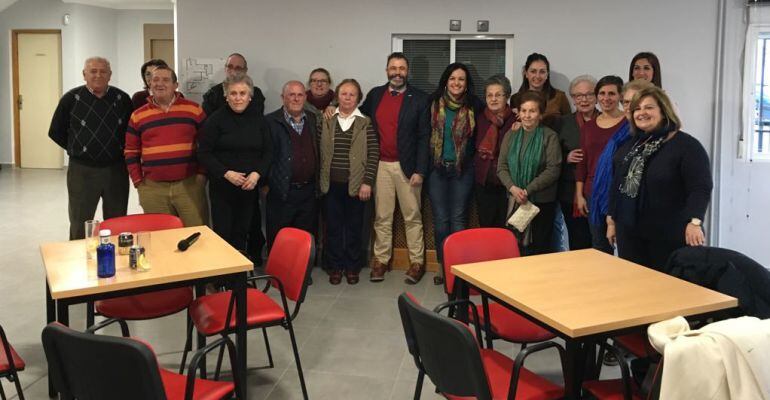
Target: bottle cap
x: 105, y: 232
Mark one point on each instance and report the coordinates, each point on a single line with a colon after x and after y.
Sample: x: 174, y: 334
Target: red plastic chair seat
x: 611, y: 389
x: 146, y: 305
x: 208, y: 312
x: 5, y: 366
x: 530, y: 386
x: 512, y: 326
x: 174, y: 386
x: 636, y: 343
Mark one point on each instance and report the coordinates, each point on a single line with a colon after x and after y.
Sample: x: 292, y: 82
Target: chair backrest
x: 289, y: 260
x: 476, y: 245
x: 94, y: 367
x: 445, y: 350
x: 141, y: 222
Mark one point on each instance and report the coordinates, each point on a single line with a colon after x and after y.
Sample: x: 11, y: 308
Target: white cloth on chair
x: 728, y: 359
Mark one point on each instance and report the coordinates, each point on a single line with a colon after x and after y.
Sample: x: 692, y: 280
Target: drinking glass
x: 144, y: 239
x: 92, y: 238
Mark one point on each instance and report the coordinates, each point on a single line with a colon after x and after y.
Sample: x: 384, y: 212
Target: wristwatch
x: 696, y: 222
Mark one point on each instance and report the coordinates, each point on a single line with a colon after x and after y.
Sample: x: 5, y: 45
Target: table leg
x: 239, y: 289
x: 200, y: 290
x: 573, y: 375
x: 50, y: 311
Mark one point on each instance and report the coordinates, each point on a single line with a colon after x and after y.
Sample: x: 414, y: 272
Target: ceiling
x: 127, y: 4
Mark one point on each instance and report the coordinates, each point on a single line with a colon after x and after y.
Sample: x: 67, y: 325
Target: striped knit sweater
x: 160, y: 145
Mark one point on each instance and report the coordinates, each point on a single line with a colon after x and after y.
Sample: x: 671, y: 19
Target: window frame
x: 754, y: 33
x: 397, y: 44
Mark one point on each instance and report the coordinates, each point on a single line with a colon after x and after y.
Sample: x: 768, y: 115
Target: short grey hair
x: 238, y: 78
x: 293, y: 82
x: 95, y: 60
x: 499, y: 80
x: 582, y: 78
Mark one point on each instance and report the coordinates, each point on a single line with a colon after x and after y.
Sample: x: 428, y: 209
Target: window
x: 430, y: 54
x: 757, y: 93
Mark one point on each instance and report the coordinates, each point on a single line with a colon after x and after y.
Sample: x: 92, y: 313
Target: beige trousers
x: 186, y: 199
x: 390, y: 185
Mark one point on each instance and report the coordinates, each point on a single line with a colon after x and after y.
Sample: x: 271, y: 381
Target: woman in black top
x: 662, y: 185
x: 234, y: 147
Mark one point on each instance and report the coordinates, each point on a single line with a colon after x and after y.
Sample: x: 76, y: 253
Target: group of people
x: 617, y: 175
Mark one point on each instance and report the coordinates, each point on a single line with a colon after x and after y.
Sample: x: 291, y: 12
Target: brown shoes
x: 414, y: 273
x: 378, y: 271
x: 352, y: 277
x: 335, y: 276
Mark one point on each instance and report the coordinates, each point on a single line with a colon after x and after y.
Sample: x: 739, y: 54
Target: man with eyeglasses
x: 214, y: 99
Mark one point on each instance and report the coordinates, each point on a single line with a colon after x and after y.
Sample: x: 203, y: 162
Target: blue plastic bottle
x: 105, y: 255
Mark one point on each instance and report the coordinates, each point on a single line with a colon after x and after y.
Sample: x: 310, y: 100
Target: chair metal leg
x: 18, y: 386
x: 187, y: 344
x: 523, y: 346
x: 296, y: 359
x: 267, y: 347
x: 2, y: 392
x: 219, y: 362
x: 418, y: 386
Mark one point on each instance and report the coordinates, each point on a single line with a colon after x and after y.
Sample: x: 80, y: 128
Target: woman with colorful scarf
x: 661, y: 187
x: 609, y: 127
x: 453, y: 110
x: 491, y: 126
x: 529, y: 166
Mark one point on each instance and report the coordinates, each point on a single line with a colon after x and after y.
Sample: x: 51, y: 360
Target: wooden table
x: 585, y: 295
x: 71, y: 279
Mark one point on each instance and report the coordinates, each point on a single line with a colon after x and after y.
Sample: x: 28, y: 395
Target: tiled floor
x: 350, y: 337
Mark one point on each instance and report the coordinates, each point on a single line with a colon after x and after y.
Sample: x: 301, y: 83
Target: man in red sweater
x: 160, y: 152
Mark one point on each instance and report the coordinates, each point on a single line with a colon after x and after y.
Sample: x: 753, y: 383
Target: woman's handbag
x: 523, y: 215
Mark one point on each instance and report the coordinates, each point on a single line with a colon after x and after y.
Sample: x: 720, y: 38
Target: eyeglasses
x: 582, y: 96
x: 321, y: 81
x: 235, y: 67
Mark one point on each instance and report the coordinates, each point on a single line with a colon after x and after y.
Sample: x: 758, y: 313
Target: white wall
x: 285, y: 40
x: 114, y: 34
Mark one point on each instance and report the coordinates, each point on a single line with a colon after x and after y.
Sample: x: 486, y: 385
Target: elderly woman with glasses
x: 492, y: 123
x: 662, y: 184
x: 235, y: 147
x: 581, y: 89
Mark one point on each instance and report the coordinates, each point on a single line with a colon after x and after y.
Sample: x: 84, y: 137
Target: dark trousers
x: 256, y: 239
x: 231, y: 211
x: 344, y: 222
x: 599, y: 237
x: 643, y: 251
x: 298, y: 210
x: 86, y: 185
x: 449, y: 194
x: 491, y: 205
x: 541, y: 230
x: 577, y: 228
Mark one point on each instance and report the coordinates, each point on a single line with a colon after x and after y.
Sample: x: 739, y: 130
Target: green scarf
x: 523, y: 167
x: 462, y: 128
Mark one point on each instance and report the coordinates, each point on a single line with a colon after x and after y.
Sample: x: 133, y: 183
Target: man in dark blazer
x: 293, y: 176
x: 399, y: 113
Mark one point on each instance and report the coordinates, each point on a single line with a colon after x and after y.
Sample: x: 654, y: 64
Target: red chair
x: 89, y: 367
x: 625, y: 388
x: 148, y: 305
x: 287, y: 270
x: 486, y: 244
x: 10, y: 369
x: 447, y: 351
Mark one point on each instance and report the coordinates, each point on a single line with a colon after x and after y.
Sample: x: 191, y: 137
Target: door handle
x: 20, y: 102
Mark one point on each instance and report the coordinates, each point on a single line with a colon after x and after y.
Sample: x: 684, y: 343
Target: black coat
x: 279, y: 175
x: 413, y: 127
x: 725, y: 271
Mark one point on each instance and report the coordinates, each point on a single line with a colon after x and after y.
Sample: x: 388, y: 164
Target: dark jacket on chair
x: 413, y: 127
x: 725, y: 271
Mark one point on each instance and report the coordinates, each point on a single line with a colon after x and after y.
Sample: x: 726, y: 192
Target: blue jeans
x: 559, y: 237
x: 449, y: 194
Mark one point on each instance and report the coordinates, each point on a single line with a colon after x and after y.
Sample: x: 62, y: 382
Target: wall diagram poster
x: 202, y: 73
